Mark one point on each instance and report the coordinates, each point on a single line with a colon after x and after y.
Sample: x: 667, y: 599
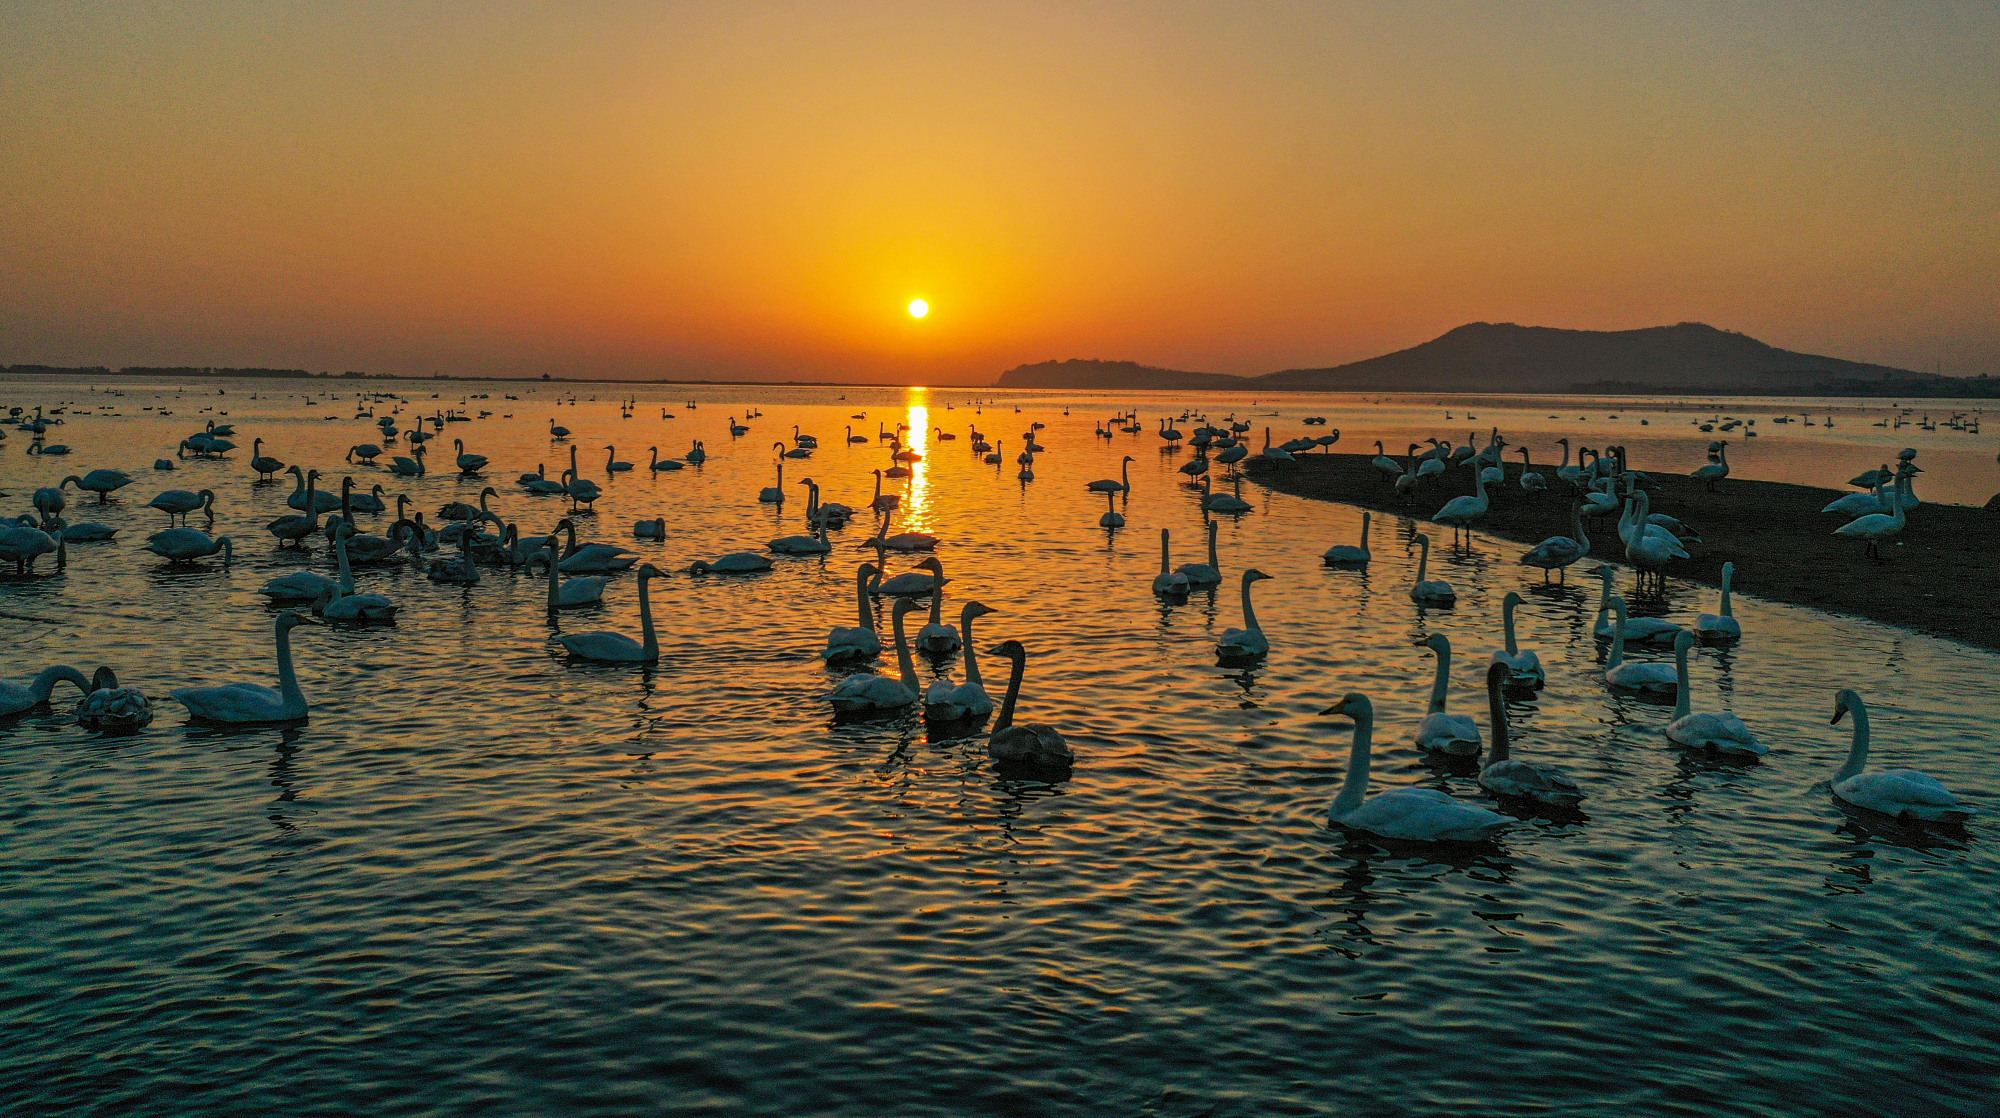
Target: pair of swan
x: 243, y: 703
x: 1425, y: 591
x: 1877, y: 527
x: 16, y: 698
x: 868, y: 692
x: 1401, y: 814
x: 1248, y: 642
x: 1633, y: 675
x: 296, y: 528
x: 617, y: 648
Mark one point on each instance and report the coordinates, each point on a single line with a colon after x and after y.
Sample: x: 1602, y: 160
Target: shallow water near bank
x: 484, y: 878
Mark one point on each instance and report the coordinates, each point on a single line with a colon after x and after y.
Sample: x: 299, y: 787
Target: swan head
x: 1497, y: 676
x: 649, y: 571
x: 289, y: 620
x: 975, y: 609
x: 1354, y: 705
x: 902, y: 606
x: 1848, y: 699
x: 1012, y: 650
x: 1436, y: 642
x: 1512, y: 599
x: 1254, y: 575
x: 935, y: 566
x: 869, y: 570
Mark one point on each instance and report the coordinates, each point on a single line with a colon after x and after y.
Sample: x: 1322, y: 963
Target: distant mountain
x: 1503, y: 357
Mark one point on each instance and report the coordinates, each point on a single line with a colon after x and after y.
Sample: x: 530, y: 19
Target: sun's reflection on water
x: 917, y: 503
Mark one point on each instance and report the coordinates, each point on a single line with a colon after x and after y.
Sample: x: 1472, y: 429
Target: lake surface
x: 484, y: 879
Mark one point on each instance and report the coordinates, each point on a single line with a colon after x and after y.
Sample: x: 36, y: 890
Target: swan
x: 538, y: 484
x: 657, y: 466
x: 654, y: 529
x: 460, y: 571
x: 584, y: 590
x: 1350, y: 555
x: 370, y: 502
x: 1904, y: 793
x: 107, y: 706
x: 1247, y: 642
x: 1715, y: 471
x: 1032, y: 744
x: 1567, y: 472
x: 901, y: 541
x: 992, y: 459
x: 1719, y: 628
x: 1204, y: 574
x: 264, y: 464
x: 185, y: 545
x: 88, y: 532
x: 936, y: 638
x: 859, y: 642
x: 21, y: 544
x: 618, y: 648
x: 1638, y: 630
x: 1649, y: 548
x: 697, y: 453
x: 1456, y: 734
x: 611, y: 463
x: 813, y: 542
x: 1388, y: 467
x: 1523, y: 663
x: 1460, y: 512
x: 581, y: 490
x: 240, y: 703
x: 734, y: 563
x: 1509, y: 779
x: 1168, y: 581
x: 1401, y: 814
x: 775, y: 494
x: 16, y: 698
x: 1027, y: 472
x: 101, y: 482
x: 883, y: 502
x: 944, y: 702
x: 1632, y: 675
x: 1711, y: 733
x: 1111, y: 518
x: 340, y: 603
x: 297, y: 528
x: 298, y: 499
x: 180, y: 502
x: 410, y: 467
x: 299, y: 586
x: 592, y: 558
x: 1861, y: 504
x: 1876, y: 527
x: 869, y: 692
x: 556, y: 432
x: 470, y: 464
x: 1531, y: 480
x: 1429, y: 592
x: 1122, y: 485
x: 1224, y: 502
x: 367, y: 452
x: 909, y: 584
x: 1275, y: 455
x: 1558, y: 553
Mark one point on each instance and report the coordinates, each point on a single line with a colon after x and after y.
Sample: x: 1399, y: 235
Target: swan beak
x: 1838, y: 713
x: 1337, y: 708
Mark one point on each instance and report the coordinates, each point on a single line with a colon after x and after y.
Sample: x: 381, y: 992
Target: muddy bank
x: 1937, y: 579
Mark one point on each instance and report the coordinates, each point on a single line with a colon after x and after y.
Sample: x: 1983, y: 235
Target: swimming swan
x: 1030, y: 744
x: 247, y: 703
x: 1904, y: 793
x: 617, y: 648
x: 1456, y: 734
x: 1508, y: 778
x: 1525, y: 667
x: 1711, y: 733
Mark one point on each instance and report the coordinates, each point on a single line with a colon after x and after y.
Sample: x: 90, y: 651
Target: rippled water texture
x: 482, y: 879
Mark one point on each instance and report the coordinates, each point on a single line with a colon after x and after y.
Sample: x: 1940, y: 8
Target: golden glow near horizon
x: 726, y: 191
x: 919, y: 308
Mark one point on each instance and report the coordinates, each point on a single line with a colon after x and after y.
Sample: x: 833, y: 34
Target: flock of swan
x: 473, y: 537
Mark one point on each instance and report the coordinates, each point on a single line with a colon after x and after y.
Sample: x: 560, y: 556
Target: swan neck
x: 1857, y: 753
x: 1423, y: 561
x: 1496, y: 706
x: 288, y: 679
x: 1014, y: 675
x: 1249, y: 612
x: 650, y: 639
x: 971, y: 658
x: 346, y: 572
x: 867, y: 616
x: 45, y: 682
x: 1617, y: 639
x: 906, y: 667
x: 1507, y: 613
x: 1728, y: 573
x: 1441, y: 679
x: 1355, y: 788
x: 1682, y: 705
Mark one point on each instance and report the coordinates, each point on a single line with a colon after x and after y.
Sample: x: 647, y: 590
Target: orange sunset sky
x: 759, y: 190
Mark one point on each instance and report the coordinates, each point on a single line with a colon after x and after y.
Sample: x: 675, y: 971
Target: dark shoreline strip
x: 1940, y: 579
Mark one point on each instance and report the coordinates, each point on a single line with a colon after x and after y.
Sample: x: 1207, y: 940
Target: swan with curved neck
x: 1401, y: 814
x: 944, y: 702
x: 1249, y: 641
x: 1429, y: 592
x: 1029, y: 744
x: 861, y: 693
x: 618, y: 648
x: 860, y: 641
x: 1123, y: 484
x: 1509, y: 778
x: 1907, y: 794
x: 1723, y: 734
x: 244, y: 703
x: 1633, y: 675
x: 1523, y: 666
x: 16, y: 697
x: 1720, y: 628
x: 1439, y: 732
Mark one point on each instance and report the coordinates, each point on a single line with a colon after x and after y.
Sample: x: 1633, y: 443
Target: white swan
x: 112, y: 708
x: 1711, y: 733
x: 734, y: 563
x: 1715, y: 471
x: 297, y: 528
x: 1877, y: 527
x: 242, y: 703
x: 1719, y: 628
x: 617, y: 648
x: 1559, y: 553
x: 1350, y: 555
x: 180, y: 502
x: 584, y: 590
x: 860, y: 641
x: 860, y: 693
x: 1509, y: 778
x: 1031, y: 744
x: 944, y: 702
x: 814, y: 541
x: 774, y: 494
x: 1204, y: 574
x: 1647, y: 546
x: 1524, y: 666
x: 1401, y: 814
x: 1122, y: 485
x: 15, y: 697
x: 1439, y: 732
x: 1638, y: 630
x: 1861, y: 504
x: 1632, y: 675
x: 1249, y: 641
x: 1430, y: 592
x: 1904, y: 793
x: 936, y: 638
x: 592, y: 558
x: 101, y: 482
x: 1225, y: 502
x: 1169, y: 581
x: 1460, y: 512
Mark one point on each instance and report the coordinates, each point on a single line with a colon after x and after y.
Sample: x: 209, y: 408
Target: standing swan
x: 1719, y: 628
x: 1247, y: 642
x: 1711, y: 733
x: 1403, y: 814
x: 1430, y: 592
x: 1509, y: 779
x: 1904, y: 793
x: 1350, y: 555
x: 617, y: 648
x: 1524, y: 666
x: 242, y: 703
x: 860, y: 693
x: 1030, y: 744
x: 15, y: 697
x: 1456, y: 734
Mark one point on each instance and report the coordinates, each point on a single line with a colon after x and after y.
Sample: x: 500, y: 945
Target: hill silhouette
x: 1504, y: 357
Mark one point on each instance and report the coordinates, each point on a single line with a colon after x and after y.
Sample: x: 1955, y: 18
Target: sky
x: 758, y: 191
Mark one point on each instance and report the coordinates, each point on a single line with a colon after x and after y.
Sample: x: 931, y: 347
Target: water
x: 483, y: 879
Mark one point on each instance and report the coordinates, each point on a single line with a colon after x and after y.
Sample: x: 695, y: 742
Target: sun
x: 919, y: 308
